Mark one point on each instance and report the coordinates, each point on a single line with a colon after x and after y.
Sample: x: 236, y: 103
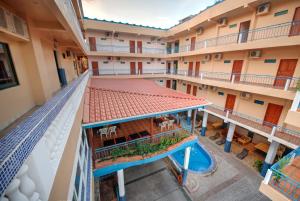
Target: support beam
x: 227, y: 147
x: 269, y: 160
x: 121, y: 185
x: 189, y: 116
x: 186, y: 164
x: 204, y: 123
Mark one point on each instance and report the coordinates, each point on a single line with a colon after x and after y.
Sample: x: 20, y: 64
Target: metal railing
x: 106, y: 152
x: 272, y: 31
x: 126, y: 49
x: 283, y: 181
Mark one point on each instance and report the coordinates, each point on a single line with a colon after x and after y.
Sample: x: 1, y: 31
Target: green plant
x: 258, y: 164
x: 281, y: 164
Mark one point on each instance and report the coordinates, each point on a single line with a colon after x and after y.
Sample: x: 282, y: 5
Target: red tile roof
x: 109, y: 99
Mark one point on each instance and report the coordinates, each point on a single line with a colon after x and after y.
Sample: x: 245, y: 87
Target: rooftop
x: 107, y: 100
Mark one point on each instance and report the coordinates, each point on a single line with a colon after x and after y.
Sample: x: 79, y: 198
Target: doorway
x: 168, y: 84
x: 197, y: 69
x: 286, y: 70
x: 295, y: 28
x: 168, y: 67
x: 140, y: 68
x: 190, y: 71
x: 244, y: 31
x: 132, y: 46
x: 132, y: 68
x: 92, y: 42
x: 230, y: 101
x: 188, y: 89
x: 237, y: 70
x: 194, y: 90
x: 193, y: 43
x: 272, y: 114
x: 174, y: 84
x: 95, y: 68
x: 175, y: 67
x: 139, y: 47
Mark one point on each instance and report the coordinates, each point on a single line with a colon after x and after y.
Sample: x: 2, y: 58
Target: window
x: 8, y: 77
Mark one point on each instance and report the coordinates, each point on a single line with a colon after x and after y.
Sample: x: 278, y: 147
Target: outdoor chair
x: 170, y: 123
x: 103, y: 131
x: 216, y: 136
x: 221, y: 141
x: 163, y: 125
x: 243, y: 154
x: 112, y: 130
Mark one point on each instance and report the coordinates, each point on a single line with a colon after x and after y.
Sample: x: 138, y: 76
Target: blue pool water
x: 200, y: 160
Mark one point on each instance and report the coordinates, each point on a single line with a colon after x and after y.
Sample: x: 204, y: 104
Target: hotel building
x: 72, y: 90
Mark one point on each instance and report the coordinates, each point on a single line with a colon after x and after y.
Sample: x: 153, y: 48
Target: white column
x: 121, y: 184
x: 186, y: 164
x: 287, y: 84
x: 189, y: 115
x: 267, y: 177
x: 232, y: 79
x: 204, y: 123
x: 229, y: 137
x: 296, y: 101
x: 272, y: 152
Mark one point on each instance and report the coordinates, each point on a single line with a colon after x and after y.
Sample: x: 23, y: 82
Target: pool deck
x: 232, y: 181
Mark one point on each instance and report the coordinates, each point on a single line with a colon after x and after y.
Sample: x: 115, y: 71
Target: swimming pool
x: 200, y: 159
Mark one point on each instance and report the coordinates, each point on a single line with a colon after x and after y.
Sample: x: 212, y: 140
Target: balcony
x: 288, y: 137
x: 36, y: 145
x: 276, y: 31
x: 283, y: 179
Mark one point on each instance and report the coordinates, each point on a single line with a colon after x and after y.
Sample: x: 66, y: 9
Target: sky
x: 155, y: 13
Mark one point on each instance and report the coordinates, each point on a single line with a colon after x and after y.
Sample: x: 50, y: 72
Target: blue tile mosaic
x: 16, y: 146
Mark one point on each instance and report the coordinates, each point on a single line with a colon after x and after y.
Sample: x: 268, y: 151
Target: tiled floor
x: 232, y: 181
x: 286, y: 136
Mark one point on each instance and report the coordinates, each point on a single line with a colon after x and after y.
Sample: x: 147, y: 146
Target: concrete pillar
x: 194, y: 121
x: 204, y: 123
x: 121, y: 185
x: 229, y: 137
x: 186, y: 164
x: 296, y: 101
x: 189, y: 115
x: 270, y: 157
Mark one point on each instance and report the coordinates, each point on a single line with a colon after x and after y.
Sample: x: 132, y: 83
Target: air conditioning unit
x: 213, y: 88
x: 116, y: 35
x: 207, y: 57
x: 13, y: 23
x: 218, y: 56
x: 222, y: 22
x: 255, y: 54
x: 118, y: 58
x: 245, y: 95
x: 263, y: 9
x: 109, y: 58
x: 200, y: 31
x: 108, y: 34
x: 152, y: 59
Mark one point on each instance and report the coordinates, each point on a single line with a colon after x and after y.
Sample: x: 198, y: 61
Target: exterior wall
x: 116, y: 67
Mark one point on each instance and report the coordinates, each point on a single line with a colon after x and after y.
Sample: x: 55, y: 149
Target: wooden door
x: 236, y: 70
x: 197, y: 69
x: 168, y: 84
x: 132, y: 46
x: 295, y: 28
x: 92, y: 42
x: 272, y: 115
x: 95, y: 68
x: 193, y: 43
x: 190, y: 71
x: 230, y: 100
x: 140, y: 67
x: 139, y: 47
x: 194, y: 90
x: 286, y: 70
x: 168, y: 67
x: 188, y: 89
x: 132, y: 68
x: 243, y: 32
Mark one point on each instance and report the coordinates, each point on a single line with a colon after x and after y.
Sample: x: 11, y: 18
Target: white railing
x: 29, y: 169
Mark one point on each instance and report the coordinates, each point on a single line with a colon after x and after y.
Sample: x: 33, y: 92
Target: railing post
x: 287, y: 84
x: 205, y: 44
x: 267, y: 177
x: 201, y: 76
x: 226, y: 117
x: 184, y: 73
x: 232, y: 79
x: 272, y: 133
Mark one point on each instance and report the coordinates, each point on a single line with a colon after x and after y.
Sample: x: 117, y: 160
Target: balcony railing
x: 289, y: 135
x: 272, y: 31
x: 285, y: 181
x: 43, y: 134
x: 126, y: 49
x: 106, y: 153
x: 269, y: 81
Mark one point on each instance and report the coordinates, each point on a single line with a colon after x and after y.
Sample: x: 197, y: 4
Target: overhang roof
x: 107, y: 100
